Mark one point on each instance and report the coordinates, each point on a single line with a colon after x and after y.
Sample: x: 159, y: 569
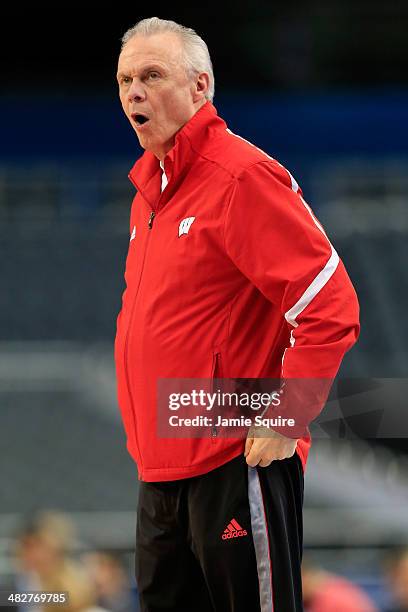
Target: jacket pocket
x: 216, y: 372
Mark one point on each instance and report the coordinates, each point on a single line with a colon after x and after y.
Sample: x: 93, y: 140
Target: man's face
x: 156, y: 93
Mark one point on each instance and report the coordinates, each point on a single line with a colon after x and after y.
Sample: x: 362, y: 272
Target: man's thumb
x: 249, y: 442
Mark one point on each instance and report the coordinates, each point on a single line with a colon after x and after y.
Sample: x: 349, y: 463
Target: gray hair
x: 196, y: 55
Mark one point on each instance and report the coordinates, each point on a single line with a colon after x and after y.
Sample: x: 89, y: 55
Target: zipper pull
x: 152, y: 215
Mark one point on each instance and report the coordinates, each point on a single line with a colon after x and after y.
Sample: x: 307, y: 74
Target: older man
x: 228, y: 274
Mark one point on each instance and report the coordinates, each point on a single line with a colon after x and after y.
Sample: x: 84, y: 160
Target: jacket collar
x: 146, y: 173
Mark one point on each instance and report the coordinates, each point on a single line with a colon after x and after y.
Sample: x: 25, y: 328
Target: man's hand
x: 271, y: 446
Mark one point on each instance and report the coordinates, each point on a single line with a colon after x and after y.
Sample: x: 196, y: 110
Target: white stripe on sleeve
x: 313, y: 289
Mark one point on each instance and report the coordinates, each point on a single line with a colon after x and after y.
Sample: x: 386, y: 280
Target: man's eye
x: 153, y: 75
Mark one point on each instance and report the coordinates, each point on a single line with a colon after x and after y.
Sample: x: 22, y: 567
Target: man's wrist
x: 260, y: 431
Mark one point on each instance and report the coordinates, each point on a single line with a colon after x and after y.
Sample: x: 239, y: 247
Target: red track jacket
x: 228, y: 274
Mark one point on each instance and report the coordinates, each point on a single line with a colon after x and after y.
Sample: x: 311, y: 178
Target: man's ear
x: 202, y: 85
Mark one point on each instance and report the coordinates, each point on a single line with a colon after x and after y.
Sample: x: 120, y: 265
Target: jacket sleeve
x: 273, y: 237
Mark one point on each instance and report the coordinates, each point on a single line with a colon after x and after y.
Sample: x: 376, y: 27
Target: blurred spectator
x: 325, y: 592
x: 44, y: 563
x: 397, y: 578
x: 110, y: 577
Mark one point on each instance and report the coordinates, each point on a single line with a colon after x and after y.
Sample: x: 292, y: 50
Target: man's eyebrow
x: 152, y: 66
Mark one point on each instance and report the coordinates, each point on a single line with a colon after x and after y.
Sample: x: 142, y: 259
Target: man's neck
x: 162, y: 151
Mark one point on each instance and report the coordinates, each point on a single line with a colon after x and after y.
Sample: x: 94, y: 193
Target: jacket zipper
x: 152, y: 216
x: 215, y: 369
x: 150, y: 225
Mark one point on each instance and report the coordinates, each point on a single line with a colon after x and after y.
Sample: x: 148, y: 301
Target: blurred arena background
x: 322, y: 87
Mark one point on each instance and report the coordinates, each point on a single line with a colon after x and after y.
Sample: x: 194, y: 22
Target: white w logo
x: 185, y: 225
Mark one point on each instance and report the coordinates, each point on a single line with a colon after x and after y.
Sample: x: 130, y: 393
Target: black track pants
x: 229, y: 540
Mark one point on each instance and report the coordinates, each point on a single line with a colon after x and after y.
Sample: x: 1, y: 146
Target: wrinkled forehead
x: 163, y: 48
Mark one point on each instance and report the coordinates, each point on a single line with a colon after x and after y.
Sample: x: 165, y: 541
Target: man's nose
x: 136, y: 92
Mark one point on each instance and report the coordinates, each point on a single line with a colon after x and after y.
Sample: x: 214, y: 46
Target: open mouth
x: 139, y: 119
